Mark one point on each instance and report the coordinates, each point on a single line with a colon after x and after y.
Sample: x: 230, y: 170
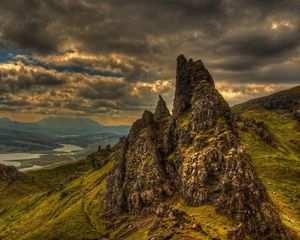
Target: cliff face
x: 188, y: 73
x: 138, y: 182
x: 195, y: 154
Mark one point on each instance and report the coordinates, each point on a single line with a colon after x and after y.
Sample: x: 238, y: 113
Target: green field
x: 278, y: 164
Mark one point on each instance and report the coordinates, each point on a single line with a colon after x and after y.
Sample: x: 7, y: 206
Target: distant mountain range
x: 61, y: 126
x: 46, y: 134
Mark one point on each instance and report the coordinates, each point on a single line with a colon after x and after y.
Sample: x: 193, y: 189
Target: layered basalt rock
x: 195, y: 154
x: 9, y: 173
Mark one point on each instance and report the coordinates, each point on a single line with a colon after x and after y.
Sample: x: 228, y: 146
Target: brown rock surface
x: 195, y: 154
x: 100, y: 158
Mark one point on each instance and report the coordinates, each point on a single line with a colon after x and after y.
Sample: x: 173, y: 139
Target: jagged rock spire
x: 161, y: 110
x: 195, y: 154
x: 189, y: 75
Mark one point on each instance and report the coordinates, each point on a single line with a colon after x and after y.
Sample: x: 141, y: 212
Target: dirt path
x: 83, y: 202
x: 85, y: 213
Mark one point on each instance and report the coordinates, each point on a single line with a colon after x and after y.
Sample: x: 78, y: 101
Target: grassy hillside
x: 282, y: 100
x: 278, y: 164
x: 28, y: 210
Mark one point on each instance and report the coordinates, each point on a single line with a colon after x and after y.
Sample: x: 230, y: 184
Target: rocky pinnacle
x: 195, y: 154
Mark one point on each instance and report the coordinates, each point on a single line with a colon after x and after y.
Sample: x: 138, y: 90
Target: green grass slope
x: 29, y: 211
x: 278, y: 164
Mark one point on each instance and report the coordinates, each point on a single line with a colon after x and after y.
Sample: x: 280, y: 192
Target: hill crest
x: 286, y: 100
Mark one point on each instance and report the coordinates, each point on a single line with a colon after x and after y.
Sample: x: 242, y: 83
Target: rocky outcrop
x: 100, y: 158
x: 259, y: 127
x: 162, y: 118
x: 188, y: 74
x: 161, y: 112
x: 58, y: 187
x: 9, y: 173
x: 296, y: 111
x: 138, y: 183
x: 195, y: 154
x: 168, y: 220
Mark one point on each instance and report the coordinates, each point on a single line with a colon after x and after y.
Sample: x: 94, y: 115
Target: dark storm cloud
x: 26, y: 79
x: 114, y: 53
x: 118, y: 95
x: 272, y: 74
x: 106, y: 26
x: 125, y: 26
x: 72, y: 68
x: 9, y: 103
x: 263, y: 45
x: 251, y: 49
x: 104, y: 90
x: 25, y: 24
x: 17, y: 103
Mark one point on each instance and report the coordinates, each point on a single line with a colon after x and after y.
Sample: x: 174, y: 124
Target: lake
x: 68, y: 148
x: 10, y: 158
x: 15, y: 159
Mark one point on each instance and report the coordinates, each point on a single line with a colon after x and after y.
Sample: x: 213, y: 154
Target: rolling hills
x: 62, y: 126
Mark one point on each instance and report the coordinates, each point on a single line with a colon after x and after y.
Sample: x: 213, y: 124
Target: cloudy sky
x: 109, y: 60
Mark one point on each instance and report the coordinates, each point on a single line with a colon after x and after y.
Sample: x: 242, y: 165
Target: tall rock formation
x: 194, y: 153
x: 188, y: 74
x: 138, y: 182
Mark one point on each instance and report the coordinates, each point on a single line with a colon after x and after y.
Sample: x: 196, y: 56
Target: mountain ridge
x: 63, y: 126
x: 285, y: 100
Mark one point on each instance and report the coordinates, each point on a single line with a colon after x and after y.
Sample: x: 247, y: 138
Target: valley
x: 46, y: 144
